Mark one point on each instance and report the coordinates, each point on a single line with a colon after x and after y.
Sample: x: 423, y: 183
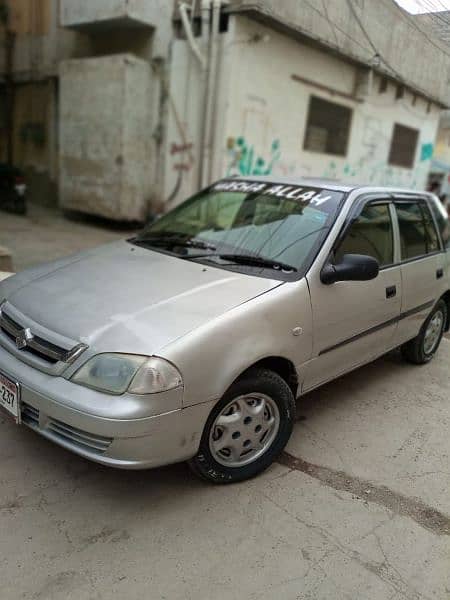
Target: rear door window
x: 418, y: 236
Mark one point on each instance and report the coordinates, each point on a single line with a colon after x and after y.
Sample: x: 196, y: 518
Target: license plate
x: 10, y: 397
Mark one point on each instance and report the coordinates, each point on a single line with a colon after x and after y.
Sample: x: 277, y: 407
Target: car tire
x: 424, y: 346
x: 258, y: 409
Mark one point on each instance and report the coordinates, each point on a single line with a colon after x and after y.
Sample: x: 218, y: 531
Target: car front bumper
x: 77, y: 419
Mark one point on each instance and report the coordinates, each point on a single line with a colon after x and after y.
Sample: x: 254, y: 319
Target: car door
x: 423, y: 263
x: 355, y: 321
x: 442, y: 221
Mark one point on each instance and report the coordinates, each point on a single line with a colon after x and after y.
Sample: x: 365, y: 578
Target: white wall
x: 262, y: 115
x: 183, y: 130
x: 265, y: 112
x: 357, y: 28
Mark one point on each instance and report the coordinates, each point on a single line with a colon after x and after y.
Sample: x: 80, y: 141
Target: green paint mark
x: 244, y: 161
x: 426, y: 151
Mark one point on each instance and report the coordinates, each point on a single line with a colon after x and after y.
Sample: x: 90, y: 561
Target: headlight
x: 117, y: 373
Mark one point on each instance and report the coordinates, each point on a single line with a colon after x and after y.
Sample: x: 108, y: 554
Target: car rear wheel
x: 247, y: 429
x: 424, y: 346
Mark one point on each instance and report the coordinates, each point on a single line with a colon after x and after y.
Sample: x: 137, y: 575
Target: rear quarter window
x: 441, y: 218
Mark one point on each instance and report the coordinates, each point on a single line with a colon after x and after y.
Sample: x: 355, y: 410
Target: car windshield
x: 271, y: 225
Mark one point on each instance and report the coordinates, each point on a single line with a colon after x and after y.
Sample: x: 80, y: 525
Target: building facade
x: 438, y: 26
x: 123, y: 108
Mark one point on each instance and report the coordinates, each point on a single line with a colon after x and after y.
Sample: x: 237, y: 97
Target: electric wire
x: 411, y: 19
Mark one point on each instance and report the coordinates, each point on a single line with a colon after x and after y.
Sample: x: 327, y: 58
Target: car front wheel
x: 247, y: 429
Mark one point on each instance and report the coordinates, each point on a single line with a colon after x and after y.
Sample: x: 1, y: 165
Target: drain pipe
x: 209, y: 134
x: 203, y: 58
x: 207, y: 58
x: 204, y: 131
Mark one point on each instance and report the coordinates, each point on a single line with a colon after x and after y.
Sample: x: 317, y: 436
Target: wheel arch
x: 281, y: 366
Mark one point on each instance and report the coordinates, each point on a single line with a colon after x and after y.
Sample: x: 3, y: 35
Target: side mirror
x: 353, y: 267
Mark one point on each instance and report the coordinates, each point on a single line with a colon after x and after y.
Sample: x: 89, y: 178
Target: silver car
x: 192, y: 340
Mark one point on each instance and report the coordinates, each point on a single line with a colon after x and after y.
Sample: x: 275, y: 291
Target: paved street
x: 45, y: 234
x: 117, y: 111
x: 357, y: 507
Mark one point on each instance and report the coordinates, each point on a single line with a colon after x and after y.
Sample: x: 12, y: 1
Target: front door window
x: 370, y: 234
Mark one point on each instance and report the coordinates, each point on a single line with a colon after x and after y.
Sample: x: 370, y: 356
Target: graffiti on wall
x: 183, y: 156
x: 378, y: 173
x: 243, y: 160
x: 370, y: 168
x: 426, y: 151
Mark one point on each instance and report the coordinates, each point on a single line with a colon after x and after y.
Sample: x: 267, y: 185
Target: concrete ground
x: 358, y: 507
x: 45, y: 234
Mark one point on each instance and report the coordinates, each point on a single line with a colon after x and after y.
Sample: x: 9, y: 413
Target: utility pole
x: 9, y: 41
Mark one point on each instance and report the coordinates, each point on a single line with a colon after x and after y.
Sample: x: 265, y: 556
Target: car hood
x: 122, y: 298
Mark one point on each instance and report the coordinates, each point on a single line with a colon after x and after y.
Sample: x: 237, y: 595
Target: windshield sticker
x: 291, y: 192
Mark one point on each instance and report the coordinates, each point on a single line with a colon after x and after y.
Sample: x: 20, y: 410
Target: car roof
x: 328, y: 184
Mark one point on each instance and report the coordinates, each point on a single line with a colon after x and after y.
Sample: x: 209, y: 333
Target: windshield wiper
x: 257, y: 261
x: 174, y: 240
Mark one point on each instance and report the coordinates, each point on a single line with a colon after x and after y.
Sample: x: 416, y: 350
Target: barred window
x: 403, y: 146
x: 328, y: 127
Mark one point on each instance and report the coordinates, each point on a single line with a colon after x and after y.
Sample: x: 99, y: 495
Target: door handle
x: 391, y: 291
x: 439, y: 273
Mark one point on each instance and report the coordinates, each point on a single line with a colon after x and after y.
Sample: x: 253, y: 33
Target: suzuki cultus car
x: 192, y: 340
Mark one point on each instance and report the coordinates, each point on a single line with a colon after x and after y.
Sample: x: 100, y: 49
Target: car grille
x: 36, y: 345
x: 76, y: 438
